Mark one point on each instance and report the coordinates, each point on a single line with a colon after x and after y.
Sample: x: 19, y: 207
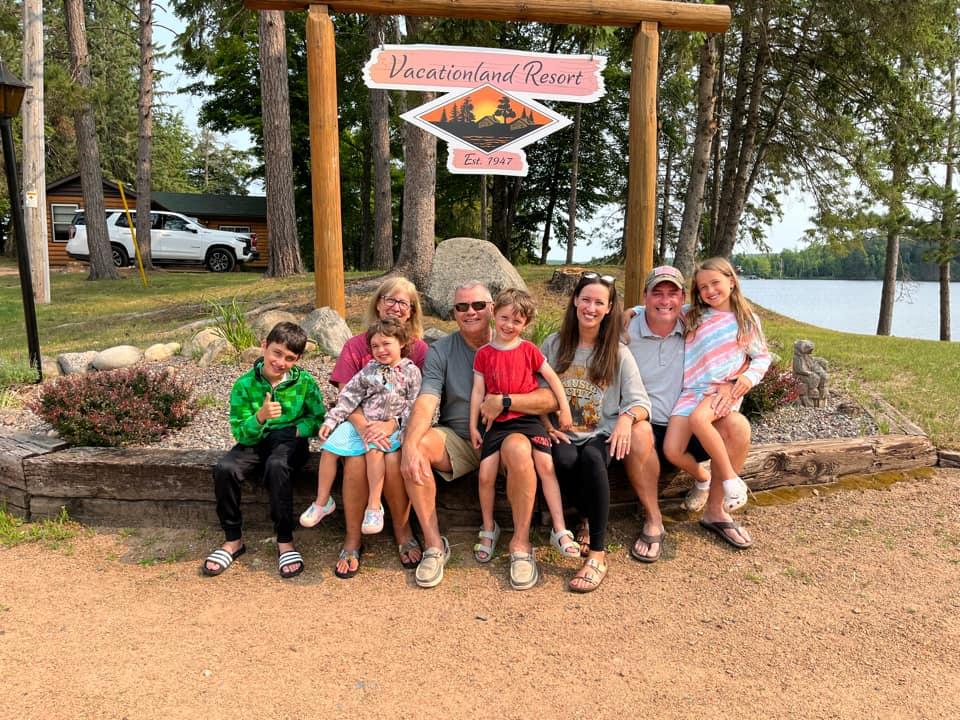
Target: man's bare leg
x: 423, y: 494
x: 642, y: 467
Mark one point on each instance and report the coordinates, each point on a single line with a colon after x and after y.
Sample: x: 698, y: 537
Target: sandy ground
x: 846, y: 608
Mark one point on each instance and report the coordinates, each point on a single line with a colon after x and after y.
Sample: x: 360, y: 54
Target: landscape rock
x: 198, y: 344
x: 161, y: 352
x: 265, y: 322
x: 216, y: 350
x: 76, y: 362
x: 250, y: 355
x: 325, y: 327
x: 119, y: 356
x: 50, y: 368
x: 431, y: 335
x: 459, y: 260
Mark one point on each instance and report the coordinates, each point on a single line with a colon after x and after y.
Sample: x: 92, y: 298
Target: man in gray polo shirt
x: 446, y: 448
x: 656, y: 341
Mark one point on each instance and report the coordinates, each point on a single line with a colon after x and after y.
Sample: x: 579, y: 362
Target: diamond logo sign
x: 488, y: 114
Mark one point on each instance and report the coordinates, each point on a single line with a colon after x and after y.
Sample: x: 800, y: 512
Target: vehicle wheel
x: 220, y: 260
x: 120, y: 257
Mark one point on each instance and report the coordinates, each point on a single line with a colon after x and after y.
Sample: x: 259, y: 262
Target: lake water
x: 854, y: 305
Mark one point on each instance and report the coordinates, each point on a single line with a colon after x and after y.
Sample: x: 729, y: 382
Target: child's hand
x: 741, y: 387
x: 565, y: 418
x: 324, y: 432
x: 475, y: 439
x: 269, y: 409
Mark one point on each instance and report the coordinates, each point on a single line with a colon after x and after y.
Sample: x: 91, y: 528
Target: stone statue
x: 811, y: 372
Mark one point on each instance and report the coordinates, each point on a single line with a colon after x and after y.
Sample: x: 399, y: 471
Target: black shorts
x: 528, y: 425
x: 693, y: 447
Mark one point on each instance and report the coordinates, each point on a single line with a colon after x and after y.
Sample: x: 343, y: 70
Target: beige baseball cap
x: 664, y: 273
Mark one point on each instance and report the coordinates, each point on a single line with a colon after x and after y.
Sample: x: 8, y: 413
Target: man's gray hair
x: 470, y: 285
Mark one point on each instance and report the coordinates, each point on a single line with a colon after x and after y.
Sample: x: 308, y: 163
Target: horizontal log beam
x: 670, y: 15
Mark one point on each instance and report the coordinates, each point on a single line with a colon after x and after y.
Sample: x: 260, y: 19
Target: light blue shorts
x: 345, y: 441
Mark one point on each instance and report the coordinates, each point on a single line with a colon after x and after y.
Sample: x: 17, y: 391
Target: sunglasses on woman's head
x: 605, y: 279
x: 477, y: 305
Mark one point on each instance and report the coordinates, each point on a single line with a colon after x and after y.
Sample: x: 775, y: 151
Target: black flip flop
x: 719, y: 526
x: 412, y: 544
x: 649, y: 540
x: 346, y: 555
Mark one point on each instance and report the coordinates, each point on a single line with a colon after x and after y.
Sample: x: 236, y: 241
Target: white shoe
x: 372, y: 521
x: 734, y: 494
x: 315, y: 513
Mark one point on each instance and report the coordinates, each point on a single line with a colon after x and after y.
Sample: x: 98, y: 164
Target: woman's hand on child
x: 378, y: 433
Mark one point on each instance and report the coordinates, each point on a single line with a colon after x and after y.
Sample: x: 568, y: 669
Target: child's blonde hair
x: 746, y: 320
x: 521, y: 301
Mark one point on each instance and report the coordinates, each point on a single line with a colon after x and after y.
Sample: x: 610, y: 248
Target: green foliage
x: 779, y: 387
x: 115, y: 408
x: 231, y: 323
x: 15, y: 372
x: 52, y: 533
x: 543, y: 326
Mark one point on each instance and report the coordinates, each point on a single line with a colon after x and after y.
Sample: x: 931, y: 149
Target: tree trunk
x: 284, y: 253
x: 484, y: 207
x: 34, y: 168
x: 417, y: 238
x: 660, y: 251
x: 948, y: 219
x: 706, y: 129
x: 380, y: 132
x: 145, y: 143
x: 363, y: 253
x: 574, y: 172
x: 551, y: 205
x: 715, y: 149
x: 506, y: 194
x: 891, y: 261
x: 91, y: 176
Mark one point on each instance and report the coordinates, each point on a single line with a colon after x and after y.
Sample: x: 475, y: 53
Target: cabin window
x: 235, y: 228
x: 62, y: 217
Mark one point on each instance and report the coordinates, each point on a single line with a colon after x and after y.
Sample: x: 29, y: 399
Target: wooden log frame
x: 128, y: 487
x: 648, y: 15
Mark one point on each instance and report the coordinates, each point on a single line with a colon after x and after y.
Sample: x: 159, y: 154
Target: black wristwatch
x: 506, y: 402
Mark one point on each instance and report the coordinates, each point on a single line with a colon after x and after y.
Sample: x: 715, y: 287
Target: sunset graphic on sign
x: 487, y: 118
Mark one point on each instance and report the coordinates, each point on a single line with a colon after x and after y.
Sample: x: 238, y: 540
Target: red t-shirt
x: 509, y: 372
x: 355, y: 355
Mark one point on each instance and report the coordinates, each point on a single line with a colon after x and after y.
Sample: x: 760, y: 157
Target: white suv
x: 174, y: 239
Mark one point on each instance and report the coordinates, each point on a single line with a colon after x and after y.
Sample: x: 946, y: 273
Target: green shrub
x: 779, y: 387
x: 542, y: 328
x: 230, y: 321
x: 117, y: 407
x: 16, y: 373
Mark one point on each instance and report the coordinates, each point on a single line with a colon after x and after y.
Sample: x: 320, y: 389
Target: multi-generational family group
x: 656, y: 386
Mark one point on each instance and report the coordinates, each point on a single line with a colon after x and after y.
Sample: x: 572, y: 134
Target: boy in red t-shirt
x: 507, y: 365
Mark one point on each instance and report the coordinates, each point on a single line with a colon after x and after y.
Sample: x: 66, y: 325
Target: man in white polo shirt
x: 656, y: 341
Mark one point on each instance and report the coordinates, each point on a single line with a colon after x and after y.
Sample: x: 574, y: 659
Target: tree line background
x: 850, y: 101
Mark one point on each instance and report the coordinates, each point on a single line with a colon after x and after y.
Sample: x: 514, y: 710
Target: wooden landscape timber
x: 670, y: 15
x: 648, y: 16
x: 158, y: 487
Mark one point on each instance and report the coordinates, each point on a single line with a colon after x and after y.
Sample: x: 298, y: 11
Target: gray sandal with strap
x: 484, y: 553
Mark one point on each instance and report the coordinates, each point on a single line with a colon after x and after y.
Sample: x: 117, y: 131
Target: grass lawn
x: 919, y: 377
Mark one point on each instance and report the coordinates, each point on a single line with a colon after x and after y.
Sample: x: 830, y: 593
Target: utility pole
x: 34, y: 166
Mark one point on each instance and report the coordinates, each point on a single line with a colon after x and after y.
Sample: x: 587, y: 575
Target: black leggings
x: 582, y: 472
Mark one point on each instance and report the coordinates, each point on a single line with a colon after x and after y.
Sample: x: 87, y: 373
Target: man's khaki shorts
x: 463, y: 456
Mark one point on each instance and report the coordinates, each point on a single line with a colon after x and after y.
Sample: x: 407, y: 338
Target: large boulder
x: 75, y: 362
x: 327, y: 329
x: 161, y: 352
x: 198, y: 344
x: 265, y: 322
x: 119, y: 356
x: 460, y: 260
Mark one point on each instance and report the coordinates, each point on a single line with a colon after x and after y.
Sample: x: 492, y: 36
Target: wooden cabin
x: 237, y: 213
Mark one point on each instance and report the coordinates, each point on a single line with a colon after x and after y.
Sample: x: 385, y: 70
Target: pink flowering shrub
x: 133, y: 406
x: 779, y: 387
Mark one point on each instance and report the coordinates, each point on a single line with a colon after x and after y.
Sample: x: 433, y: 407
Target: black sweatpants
x: 274, y: 459
x: 582, y: 472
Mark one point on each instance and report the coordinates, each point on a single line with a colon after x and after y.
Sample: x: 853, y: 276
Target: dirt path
x: 847, y: 608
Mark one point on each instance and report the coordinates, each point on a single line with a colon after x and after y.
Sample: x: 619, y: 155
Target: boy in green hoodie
x: 274, y: 408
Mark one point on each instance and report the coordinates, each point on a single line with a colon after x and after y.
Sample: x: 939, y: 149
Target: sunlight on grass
x: 53, y: 533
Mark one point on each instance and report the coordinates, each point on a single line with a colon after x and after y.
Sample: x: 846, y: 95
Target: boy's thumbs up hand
x: 268, y: 410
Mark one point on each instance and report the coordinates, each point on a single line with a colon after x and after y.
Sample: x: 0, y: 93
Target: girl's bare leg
x: 375, y: 472
x: 675, y: 448
x: 702, y: 425
x: 326, y: 474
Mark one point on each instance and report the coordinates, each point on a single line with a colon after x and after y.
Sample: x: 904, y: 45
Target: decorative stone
x: 431, y: 335
x: 198, y: 344
x: 311, y: 347
x: 74, y: 363
x: 325, y: 327
x: 50, y: 368
x: 161, y: 352
x: 265, y: 322
x: 119, y: 356
x: 215, y: 351
x: 460, y: 260
x: 812, y: 374
x: 250, y: 355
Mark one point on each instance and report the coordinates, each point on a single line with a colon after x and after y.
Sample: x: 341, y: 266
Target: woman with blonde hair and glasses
x: 610, y: 411
x: 396, y: 298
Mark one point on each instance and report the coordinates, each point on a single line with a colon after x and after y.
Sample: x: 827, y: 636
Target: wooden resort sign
x: 488, y: 112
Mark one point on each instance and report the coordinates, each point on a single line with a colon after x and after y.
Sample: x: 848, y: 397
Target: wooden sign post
x: 648, y: 16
